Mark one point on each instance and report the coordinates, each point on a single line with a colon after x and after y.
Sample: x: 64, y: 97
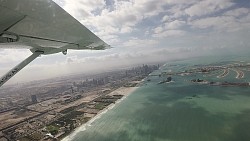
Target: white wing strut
x: 17, y: 68
x: 43, y: 27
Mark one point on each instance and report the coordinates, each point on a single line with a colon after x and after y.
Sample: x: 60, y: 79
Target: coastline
x: 125, y: 91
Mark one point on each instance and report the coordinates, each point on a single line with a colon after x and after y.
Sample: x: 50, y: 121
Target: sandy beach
x: 125, y: 91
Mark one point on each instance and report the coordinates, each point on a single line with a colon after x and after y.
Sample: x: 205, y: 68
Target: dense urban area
x: 51, y: 109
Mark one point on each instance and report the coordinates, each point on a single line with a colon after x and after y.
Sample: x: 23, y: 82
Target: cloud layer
x: 118, y: 22
x: 145, y: 31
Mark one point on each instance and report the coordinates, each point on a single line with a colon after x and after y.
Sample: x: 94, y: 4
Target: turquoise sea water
x: 171, y: 112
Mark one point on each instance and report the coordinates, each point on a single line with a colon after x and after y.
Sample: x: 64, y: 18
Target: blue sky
x: 143, y: 31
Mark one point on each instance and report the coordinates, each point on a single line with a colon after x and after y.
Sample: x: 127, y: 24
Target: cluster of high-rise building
x: 39, y: 104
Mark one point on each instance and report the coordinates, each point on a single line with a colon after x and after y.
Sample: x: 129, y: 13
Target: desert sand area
x: 124, y: 91
x: 12, y: 117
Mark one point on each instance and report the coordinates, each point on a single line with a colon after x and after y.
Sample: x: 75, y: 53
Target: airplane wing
x: 43, y: 27
x: 43, y: 24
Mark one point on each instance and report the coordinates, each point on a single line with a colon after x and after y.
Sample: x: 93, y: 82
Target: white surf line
x: 84, y: 126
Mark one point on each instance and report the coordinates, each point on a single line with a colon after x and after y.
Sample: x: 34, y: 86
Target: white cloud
x: 112, y: 39
x: 158, y: 29
x: 106, y: 31
x: 225, y: 23
x: 229, y: 21
x: 177, y: 11
x: 169, y: 33
x: 207, y: 7
x: 237, y: 12
x: 120, y: 19
x: 82, y: 8
x: 176, y: 24
x: 166, y: 18
x: 245, y: 19
x: 180, y: 2
x: 13, y: 55
x: 174, y: 12
x: 126, y: 29
x: 169, y: 29
x: 140, y: 43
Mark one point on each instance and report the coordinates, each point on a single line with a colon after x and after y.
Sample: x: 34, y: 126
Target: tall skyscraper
x: 33, y: 98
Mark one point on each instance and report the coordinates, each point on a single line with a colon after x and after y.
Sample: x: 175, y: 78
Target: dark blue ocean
x: 178, y: 111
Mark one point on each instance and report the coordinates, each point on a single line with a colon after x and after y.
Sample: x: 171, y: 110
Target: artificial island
x: 218, y: 74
